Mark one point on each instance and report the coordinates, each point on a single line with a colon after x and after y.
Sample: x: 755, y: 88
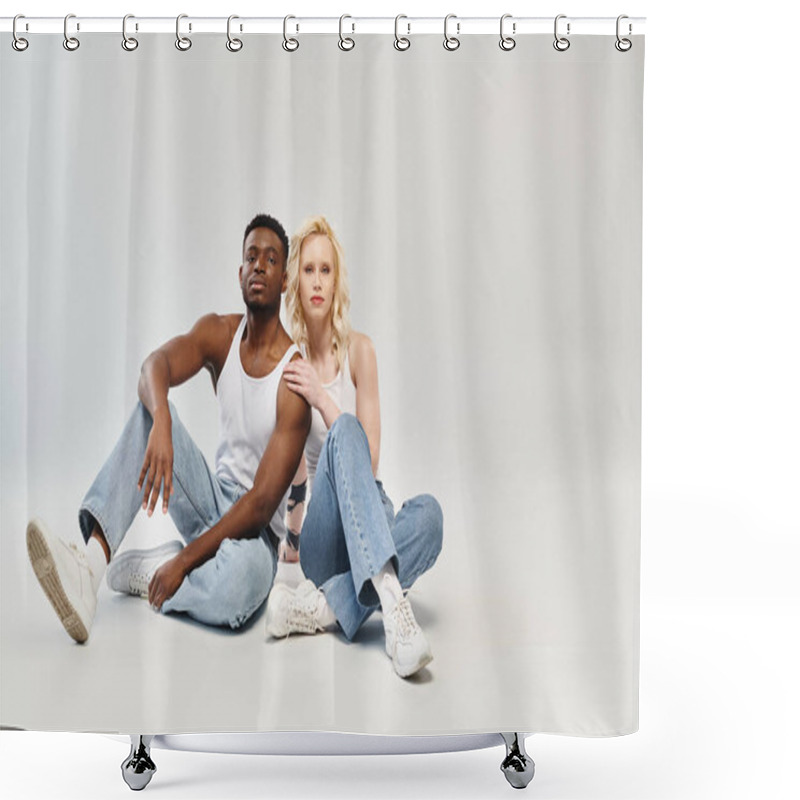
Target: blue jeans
x: 351, y: 531
x: 228, y: 588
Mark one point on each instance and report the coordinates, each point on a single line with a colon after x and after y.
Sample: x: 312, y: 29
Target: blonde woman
x: 358, y: 554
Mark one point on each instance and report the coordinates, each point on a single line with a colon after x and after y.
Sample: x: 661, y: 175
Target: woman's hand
x: 302, y: 379
x: 166, y: 581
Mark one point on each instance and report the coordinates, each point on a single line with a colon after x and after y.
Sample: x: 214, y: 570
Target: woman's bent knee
x: 432, y: 520
x: 346, y: 425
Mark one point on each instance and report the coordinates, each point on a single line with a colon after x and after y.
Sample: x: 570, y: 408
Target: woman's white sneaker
x: 65, y: 576
x: 292, y: 610
x: 131, y: 572
x: 406, y: 644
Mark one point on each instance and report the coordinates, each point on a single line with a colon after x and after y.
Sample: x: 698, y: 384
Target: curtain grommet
x: 183, y: 43
x: 623, y: 44
x: 233, y: 44
x: 561, y: 43
x: 451, y: 43
x: 289, y: 44
x: 19, y: 43
x: 401, y: 43
x: 346, y: 43
x: 70, y: 43
x: 507, y: 42
x: 129, y: 43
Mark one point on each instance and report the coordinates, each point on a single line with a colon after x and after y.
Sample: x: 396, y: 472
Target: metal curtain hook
x: 346, y: 42
x: 129, y: 43
x: 233, y: 44
x: 561, y: 43
x: 507, y: 42
x: 401, y: 42
x: 182, y: 42
x: 70, y: 42
x: 623, y: 45
x: 451, y: 42
x: 290, y: 44
x: 18, y: 43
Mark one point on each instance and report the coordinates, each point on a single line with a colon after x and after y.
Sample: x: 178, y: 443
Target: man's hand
x: 302, y: 379
x: 166, y: 581
x: 157, y: 466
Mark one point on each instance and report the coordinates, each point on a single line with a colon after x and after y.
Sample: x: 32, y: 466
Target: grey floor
x: 132, y: 646
x: 719, y: 702
x: 144, y: 671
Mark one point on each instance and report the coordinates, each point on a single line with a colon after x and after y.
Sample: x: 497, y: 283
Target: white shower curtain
x: 489, y: 208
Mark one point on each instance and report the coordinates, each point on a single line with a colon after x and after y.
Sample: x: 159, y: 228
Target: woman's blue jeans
x: 351, y: 531
x: 227, y: 589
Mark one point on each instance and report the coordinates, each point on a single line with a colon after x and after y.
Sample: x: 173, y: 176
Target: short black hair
x: 267, y: 221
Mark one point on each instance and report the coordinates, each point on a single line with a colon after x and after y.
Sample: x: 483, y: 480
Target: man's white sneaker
x: 406, y: 644
x: 131, y: 572
x: 294, y: 610
x: 64, y: 573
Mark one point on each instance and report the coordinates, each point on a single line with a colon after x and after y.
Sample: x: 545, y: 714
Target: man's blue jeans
x: 228, y: 588
x: 351, y: 531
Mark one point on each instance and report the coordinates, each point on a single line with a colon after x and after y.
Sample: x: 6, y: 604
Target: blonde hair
x: 340, y: 308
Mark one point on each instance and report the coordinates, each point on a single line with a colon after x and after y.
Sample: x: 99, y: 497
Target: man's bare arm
x: 181, y: 358
x: 170, y: 365
x: 254, y: 510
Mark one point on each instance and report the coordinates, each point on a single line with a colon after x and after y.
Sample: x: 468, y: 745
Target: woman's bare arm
x: 364, y: 365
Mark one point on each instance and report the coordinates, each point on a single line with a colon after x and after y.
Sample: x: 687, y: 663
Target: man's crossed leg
x: 225, y: 590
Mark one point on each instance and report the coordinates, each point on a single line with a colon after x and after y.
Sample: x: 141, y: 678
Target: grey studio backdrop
x: 489, y: 205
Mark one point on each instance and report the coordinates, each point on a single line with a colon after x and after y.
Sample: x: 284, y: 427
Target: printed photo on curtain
x: 321, y: 378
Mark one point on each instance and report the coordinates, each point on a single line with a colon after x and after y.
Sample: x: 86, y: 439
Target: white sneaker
x: 131, y: 572
x: 406, y: 644
x: 63, y: 572
x: 294, y: 610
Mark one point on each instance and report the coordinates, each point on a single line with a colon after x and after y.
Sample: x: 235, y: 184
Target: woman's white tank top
x: 343, y: 393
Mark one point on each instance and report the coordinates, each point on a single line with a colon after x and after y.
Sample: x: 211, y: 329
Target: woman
x: 352, y: 545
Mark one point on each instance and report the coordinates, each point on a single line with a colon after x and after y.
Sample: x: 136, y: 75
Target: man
x: 232, y: 519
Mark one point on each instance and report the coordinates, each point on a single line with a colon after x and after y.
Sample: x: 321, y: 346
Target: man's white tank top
x: 343, y: 392
x: 248, y: 410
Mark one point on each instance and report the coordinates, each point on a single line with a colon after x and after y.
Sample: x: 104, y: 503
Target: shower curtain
x: 488, y: 205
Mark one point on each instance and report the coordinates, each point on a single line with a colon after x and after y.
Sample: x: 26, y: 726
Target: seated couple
x: 273, y: 405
